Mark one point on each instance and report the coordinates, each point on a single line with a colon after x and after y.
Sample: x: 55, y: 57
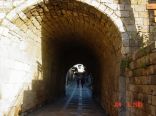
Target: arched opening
x: 78, y: 76
x: 72, y: 32
x: 74, y: 72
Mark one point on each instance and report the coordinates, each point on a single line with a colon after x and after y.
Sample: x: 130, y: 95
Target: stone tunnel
x: 48, y: 38
x: 63, y: 34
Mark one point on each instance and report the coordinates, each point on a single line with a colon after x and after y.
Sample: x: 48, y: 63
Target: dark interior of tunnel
x: 71, y: 51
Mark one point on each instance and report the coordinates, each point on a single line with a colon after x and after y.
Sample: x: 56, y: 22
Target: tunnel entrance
x: 71, y: 32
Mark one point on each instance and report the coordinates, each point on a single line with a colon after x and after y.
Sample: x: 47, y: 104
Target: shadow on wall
x: 48, y: 83
x: 35, y: 93
x: 134, y: 42
x: 127, y: 16
x: 31, y: 97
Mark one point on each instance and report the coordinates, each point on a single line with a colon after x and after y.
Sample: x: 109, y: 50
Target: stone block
x: 142, y: 62
x: 147, y: 108
x: 131, y: 28
x: 139, y: 21
x: 145, y: 29
x: 121, y: 7
x: 142, y: 52
x: 125, y: 40
x: 132, y: 65
x: 124, y: 14
x: 153, y: 90
x: 113, y: 6
x: 152, y: 79
x: 151, y: 70
x: 149, y: 99
x: 136, y: 14
x: 154, y: 100
x: 152, y: 58
x: 128, y: 7
x: 140, y: 8
x: 128, y: 21
x: 134, y: 1
x: 143, y: 14
x: 102, y: 7
x: 109, y: 11
x: 146, y: 89
x: 152, y: 29
x: 142, y: 80
x: 153, y: 110
x: 139, y: 72
x: 146, y: 21
x: 133, y: 88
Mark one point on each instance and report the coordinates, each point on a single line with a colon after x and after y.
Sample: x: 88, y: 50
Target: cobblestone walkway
x: 78, y: 102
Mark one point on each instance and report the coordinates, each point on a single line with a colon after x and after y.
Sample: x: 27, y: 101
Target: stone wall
x: 131, y: 17
x: 141, y: 82
x: 55, y: 36
x: 24, y: 30
x: 18, y: 65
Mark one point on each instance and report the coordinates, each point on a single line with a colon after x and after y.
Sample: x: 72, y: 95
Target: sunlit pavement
x: 78, y: 102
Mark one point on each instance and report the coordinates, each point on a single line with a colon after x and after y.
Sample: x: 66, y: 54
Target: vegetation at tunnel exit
x: 125, y: 63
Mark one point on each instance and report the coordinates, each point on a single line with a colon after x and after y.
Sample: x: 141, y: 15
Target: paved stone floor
x: 78, y: 102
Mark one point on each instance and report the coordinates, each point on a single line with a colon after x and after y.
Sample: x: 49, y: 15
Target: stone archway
x: 58, y: 35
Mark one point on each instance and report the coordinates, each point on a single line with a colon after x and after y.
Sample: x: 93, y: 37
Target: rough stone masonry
x: 37, y: 43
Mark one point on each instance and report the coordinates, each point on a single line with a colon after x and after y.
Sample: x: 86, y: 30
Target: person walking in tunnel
x: 82, y: 81
x: 77, y: 79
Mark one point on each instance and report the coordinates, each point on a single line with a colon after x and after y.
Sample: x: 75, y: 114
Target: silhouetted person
x: 82, y: 81
x: 77, y: 79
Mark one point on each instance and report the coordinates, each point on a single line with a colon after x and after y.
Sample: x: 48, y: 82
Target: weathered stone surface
x: 154, y: 100
x: 21, y: 21
x: 141, y: 84
x: 44, y: 37
x: 151, y: 70
x: 152, y: 58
